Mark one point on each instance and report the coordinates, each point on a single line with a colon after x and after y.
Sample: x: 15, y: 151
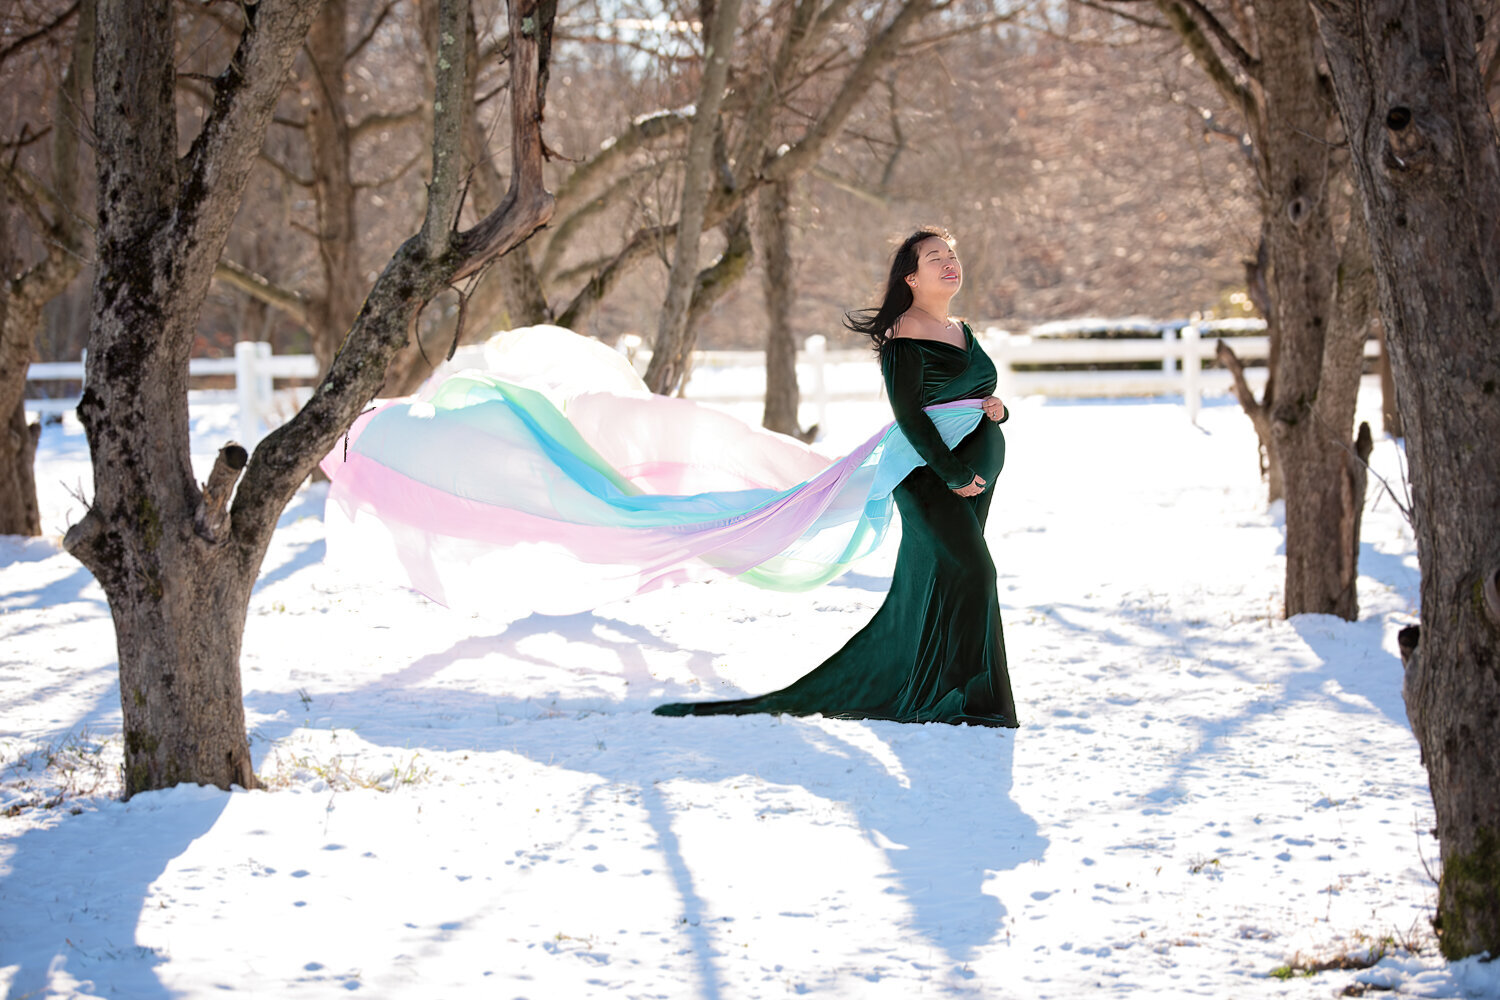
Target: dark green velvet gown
x: 934, y: 652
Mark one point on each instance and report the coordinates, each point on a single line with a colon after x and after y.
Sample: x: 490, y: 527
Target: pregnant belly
x: 984, y: 449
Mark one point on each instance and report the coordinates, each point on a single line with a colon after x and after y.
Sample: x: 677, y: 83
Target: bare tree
x: 773, y: 236
x: 1315, y: 291
x: 508, y: 293
x: 669, y: 352
x: 49, y: 201
x: 176, y: 561
x: 330, y: 133
x: 1412, y: 96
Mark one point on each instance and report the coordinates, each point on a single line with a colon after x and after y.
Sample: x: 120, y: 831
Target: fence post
x: 1169, y: 358
x: 815, y: 348
x: 265, y: 389
x: 246, y: 391
x: 997, y: 345
x: 1192, y: 367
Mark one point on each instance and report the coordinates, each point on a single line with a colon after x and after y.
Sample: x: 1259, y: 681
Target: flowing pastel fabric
x: 520, y: 488
x: 935, y: 650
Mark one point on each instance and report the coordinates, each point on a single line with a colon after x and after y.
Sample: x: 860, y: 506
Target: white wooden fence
x: 1176, y: 354
x: 253, y: 366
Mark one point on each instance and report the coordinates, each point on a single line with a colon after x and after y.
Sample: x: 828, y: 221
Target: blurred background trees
x: 1080, y: 158
x: 1075, y: 156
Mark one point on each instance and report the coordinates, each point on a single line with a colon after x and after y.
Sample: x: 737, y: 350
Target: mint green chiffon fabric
x: 935, y: 650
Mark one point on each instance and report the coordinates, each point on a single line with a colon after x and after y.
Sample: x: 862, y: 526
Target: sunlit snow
x: 1201, y: 792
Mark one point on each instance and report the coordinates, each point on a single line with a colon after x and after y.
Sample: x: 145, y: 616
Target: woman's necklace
x: 946, y: 324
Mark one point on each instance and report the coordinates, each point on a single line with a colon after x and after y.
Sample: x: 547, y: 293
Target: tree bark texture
x: 1312, y: 414
x: 1345, y: 475
x: 178, y: 573
x: 715, y: 280
x: 20, y: 316
x: 19, y: 511
x: 1411, y: 94
x: 1390, y: 406
x: 1316, y: 369
x: 674, y: 335
x: 331, y: 149
x: 19, y: 514
x: 778, y: 284
x: 24, y: 295
x: 178, y: 602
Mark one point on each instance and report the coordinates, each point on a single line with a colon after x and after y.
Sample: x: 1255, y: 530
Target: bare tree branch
x: 563, y: 233
x: 444, y: 192
x: 585, y: 180
x: 805, y: 152
x: 384, y: 119
x: 286, y: 171
x: 29, y: 195
x: 1207, y: 57
x: 933, y: 41
x: 289, y: 301
x: 1237, y: 52
x: 216, y: 166
x: 401, y: 172
x: 861, y: 191
x: 369, y: 33
x: 1144, y: 22
x: 31, y: 38
x: 642, y: 246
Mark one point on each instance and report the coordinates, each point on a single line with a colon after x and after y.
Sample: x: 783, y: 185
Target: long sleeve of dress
x: 902, y: 364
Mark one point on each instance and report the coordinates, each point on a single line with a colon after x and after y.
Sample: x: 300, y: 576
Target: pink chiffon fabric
x: 519, y: 488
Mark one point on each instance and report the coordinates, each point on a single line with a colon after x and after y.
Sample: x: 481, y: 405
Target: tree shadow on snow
x: 1354, y: 676
x: 74, y: 891
x: 934, y: 800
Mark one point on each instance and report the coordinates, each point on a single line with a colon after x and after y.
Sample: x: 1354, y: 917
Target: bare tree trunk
x: 1354, y: 310
x: 1411, y: 95
x: 19, y: 320
x: 178, y: 602
x: 1290, y: 118
x: 330, y: 144
x: 773, y: 204
x: 674, y: 336
x: 177, y: 562
x: 1312, y: 415
x: 19, y: 514
x: 24, y: 296
x: 19, y: 511
x: 1390, y: 408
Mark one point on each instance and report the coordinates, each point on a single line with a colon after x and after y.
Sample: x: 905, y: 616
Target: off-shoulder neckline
x: 968, y: 339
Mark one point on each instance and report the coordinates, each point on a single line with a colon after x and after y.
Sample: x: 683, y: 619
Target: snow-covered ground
x: 1202, y: 793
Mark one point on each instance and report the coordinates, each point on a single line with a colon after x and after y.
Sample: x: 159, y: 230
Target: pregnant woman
x: 935, y: 651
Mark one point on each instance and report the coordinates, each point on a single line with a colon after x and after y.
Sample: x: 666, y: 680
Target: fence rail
x: 824, y: 375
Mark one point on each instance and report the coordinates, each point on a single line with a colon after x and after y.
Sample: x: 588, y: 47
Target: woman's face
x: 937, y: 267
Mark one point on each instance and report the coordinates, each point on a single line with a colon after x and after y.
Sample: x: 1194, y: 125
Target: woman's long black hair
x: 876, y: 323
